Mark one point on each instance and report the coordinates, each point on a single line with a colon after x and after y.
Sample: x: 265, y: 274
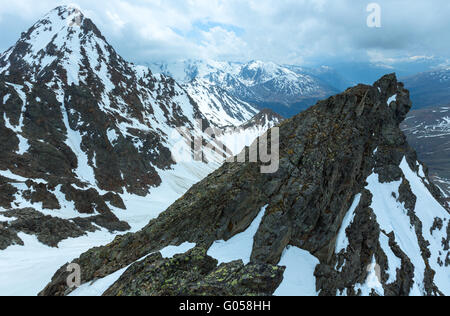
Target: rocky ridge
x: 349, y: 195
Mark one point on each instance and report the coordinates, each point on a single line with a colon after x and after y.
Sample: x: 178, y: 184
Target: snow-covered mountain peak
x: 257, y: 72
x: 266, y: 119
x: 65, y: 38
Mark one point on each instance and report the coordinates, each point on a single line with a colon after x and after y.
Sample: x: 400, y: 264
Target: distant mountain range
x: 289, y: 89
x: 430, y: 88
x: 285, y: 89
x: 428, y: 131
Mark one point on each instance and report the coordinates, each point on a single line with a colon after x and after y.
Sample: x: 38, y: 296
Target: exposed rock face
x: 349, y: 191
x: 49, y: 230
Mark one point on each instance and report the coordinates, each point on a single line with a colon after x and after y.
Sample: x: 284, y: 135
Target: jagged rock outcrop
x: 195, y: 273
x: 349, y: 191
x: 49, y: 230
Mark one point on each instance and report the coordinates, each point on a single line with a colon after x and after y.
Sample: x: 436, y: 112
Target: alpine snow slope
x: 350, y: 211
x: 86, y: 146
x: 285, y: 89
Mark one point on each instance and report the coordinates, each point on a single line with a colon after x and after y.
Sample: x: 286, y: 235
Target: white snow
x: 74, y: 141
x: 421, y: 172
x: 34, y: 256
x: 235, y: 139
x: 238, y: 247
x: 427, y: 210
x: 6, y: 219
x: 98, y: 287
x: 25, y: 270
x: 238, y: 78
x: 112, y: 136
x: 23, y: 143
x: 219, y: 107
x: 299, y: 279
x: 176, y: 182
x: 6, y: 98
x: 392, y: 99
x: 392, y: 217
x: 342, y: 240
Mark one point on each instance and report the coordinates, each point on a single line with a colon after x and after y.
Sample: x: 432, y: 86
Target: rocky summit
x: 350, y: 211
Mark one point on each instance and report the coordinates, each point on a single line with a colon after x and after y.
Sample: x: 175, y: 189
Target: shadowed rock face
x: 327, y: 154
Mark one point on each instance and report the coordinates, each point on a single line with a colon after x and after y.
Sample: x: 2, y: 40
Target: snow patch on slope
x: 393, y: 218
x: 299, y: 279
x: 427, y: 210
x: 342, y: 240
x: 238, y: 247
x: 27, y: 269
x: 372, y: 283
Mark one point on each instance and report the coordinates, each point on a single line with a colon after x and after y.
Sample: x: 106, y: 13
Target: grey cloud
x: 285, y: 31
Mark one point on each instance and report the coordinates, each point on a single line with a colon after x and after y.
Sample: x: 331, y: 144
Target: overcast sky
x: 301, y: 32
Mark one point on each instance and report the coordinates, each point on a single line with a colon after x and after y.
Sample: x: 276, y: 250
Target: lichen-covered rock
x: 195, y: 273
